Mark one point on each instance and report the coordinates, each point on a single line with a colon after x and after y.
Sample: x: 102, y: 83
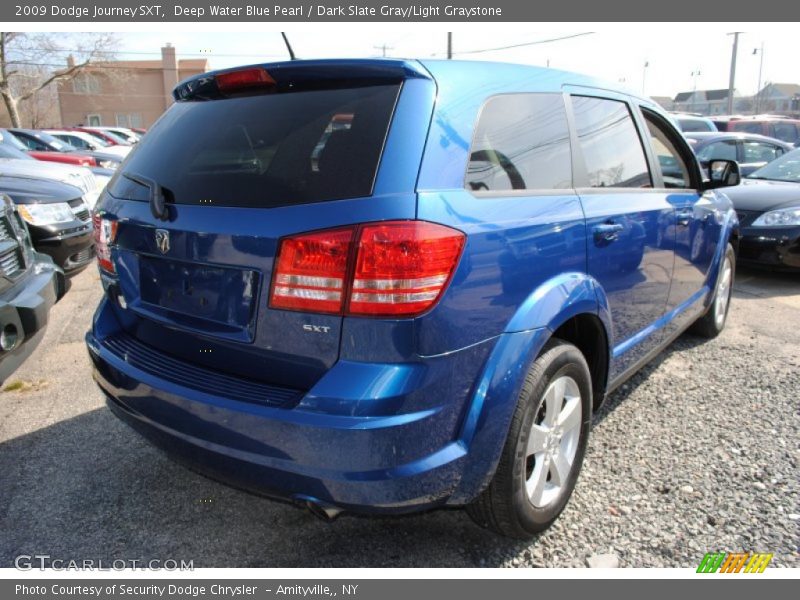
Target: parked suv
x: 57, y: 215
x: 30, y: 284
x: 384, y: 286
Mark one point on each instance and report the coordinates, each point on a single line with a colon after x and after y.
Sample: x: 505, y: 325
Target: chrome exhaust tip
x: 318, y: 508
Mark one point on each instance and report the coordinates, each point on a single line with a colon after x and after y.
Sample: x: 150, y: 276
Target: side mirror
x: 722, y: 173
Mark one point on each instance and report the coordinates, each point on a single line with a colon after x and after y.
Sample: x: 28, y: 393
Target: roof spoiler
x: 292, y: 76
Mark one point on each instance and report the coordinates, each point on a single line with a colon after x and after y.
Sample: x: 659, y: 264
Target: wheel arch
x: 586, y: 332
x: 572, y: 307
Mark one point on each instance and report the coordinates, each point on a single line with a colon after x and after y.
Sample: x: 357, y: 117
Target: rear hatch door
x: 238, y: 170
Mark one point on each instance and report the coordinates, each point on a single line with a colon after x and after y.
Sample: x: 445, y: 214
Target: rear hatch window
x: 266, y: 150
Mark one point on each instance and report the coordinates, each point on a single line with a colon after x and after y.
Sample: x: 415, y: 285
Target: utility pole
x: 383, y: 49
x: 732, y: 81
x: 757, y: 99
x: 449, y: 45
x: 695, y: 75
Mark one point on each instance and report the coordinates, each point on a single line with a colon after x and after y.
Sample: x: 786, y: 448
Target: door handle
x: 685, y: 217
x: 607, y: 232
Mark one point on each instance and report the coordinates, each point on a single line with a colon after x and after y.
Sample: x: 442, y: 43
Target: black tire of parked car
x: 503, y: 506
x: 706, y: 326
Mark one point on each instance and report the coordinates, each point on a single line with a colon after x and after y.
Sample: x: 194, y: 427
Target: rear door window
x: 786, y: 132
x: 521, y: 142
x: 265, y: 150
x: 722, y: 150
x: 746, y: 127
x: 694, y: 125
x: 610, y: 143
x: 75, y: 141
x: 760, y: 152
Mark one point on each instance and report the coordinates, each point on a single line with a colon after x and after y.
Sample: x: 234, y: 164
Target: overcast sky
x: 617, y: 53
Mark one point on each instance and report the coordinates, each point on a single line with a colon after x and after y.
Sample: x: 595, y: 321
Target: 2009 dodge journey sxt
x: 384, y: 285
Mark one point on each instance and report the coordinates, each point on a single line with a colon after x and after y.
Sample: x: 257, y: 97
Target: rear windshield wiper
x: 158, y: 204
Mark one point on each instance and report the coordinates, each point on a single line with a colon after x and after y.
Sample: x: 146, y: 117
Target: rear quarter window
x: 521, y: 142
x: 265, y: 150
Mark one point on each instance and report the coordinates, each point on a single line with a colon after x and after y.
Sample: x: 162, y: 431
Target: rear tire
x: 545, y: 447
x: 711, y: 324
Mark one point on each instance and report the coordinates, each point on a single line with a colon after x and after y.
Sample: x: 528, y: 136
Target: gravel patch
x: 697, y: 453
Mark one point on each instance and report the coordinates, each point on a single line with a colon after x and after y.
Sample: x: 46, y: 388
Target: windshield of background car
x: 265, y: 150
x: 785, y: 168
x: 7, y: 151
x: 690, y: 125
x: 96, y: 138
x: 54, y: 142
x: 8, y: 139
x: 114, y: 136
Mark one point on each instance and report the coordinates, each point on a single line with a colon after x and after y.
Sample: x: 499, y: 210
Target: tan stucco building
x: 126, y: 93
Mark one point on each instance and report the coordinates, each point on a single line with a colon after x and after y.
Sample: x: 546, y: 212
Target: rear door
x: 239, y: 170
x: 630, y: 246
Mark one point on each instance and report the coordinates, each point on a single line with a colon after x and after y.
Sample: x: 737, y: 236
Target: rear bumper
x: 395, y: 448
x: 24, y: 311
x: 776, y: 248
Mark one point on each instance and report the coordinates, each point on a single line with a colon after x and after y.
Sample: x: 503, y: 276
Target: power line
x: 92, y: 65
x: 112, y: 94
x: 558, y: 39
x: 153, y: 53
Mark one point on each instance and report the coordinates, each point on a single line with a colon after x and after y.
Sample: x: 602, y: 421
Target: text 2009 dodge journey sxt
x: 384, y: 286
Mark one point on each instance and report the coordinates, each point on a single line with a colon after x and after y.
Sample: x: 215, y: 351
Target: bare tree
x: 30, y: 62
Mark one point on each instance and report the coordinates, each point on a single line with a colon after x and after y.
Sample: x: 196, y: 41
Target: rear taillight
x: 389, y: 269
x: 310, y: 271
x: 243, y: 79
x: 105, y: 232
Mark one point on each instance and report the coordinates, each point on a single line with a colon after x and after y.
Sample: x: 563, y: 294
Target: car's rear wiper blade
x: 158, y: 204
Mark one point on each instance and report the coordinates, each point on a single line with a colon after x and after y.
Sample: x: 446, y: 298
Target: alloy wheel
x: 553, y: 441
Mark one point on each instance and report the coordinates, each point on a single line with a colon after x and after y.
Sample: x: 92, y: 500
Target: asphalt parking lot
x: 697, y: 453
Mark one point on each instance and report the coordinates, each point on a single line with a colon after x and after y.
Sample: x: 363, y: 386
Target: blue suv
x: 382, y: 286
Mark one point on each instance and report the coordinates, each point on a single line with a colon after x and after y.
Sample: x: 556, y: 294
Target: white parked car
x: 86, y: 141
x: 129, y: 135
x: 21, y: 165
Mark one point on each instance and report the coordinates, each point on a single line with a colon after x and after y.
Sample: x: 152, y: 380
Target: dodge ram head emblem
x: 162, y: 240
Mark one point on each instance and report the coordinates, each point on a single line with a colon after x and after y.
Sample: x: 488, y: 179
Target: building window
x: 85, y: 83
x: 93, y: 120
x: 129, y: 120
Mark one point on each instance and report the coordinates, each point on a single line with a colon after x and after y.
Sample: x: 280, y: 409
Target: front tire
x: 545, y: 447
x: 711, y: 324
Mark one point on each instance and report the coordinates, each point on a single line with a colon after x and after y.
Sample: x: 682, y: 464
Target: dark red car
x: 781, y: 128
